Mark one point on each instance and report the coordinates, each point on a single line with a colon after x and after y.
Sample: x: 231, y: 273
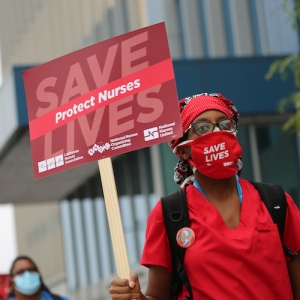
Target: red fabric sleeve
x: 291, y: 235
x: 156, y: 249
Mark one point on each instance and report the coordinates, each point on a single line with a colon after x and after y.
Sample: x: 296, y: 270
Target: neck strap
x: 239, y: 189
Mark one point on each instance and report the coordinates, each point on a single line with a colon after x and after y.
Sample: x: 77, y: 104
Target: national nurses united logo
x: 185, y: 237
x: 151, y: 134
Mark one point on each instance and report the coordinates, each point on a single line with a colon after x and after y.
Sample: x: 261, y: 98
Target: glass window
x: 118, y: 166
x: 278, y: 156
x: 135, y: 172
x: 214, y: 17
x: 191, y: 28
x: 243, y: 138
x: 169, y: 161
x: 281, y: 37
x: 149, y: 170
x: 241, y: 27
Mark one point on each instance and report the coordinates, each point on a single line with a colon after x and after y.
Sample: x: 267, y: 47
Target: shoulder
x: 249, y: 190
x: 247, y: 185
x: 190, y: 188
x: 292, y: 229
x: 155, y: 222
x: 292, y: 209
x: 289, y: 199
x: 156, y: 215
x: 158, y: 209
x: 156, y: 212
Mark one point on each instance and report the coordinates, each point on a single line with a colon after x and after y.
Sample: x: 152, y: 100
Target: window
x: 244, y: 140
x: 279, y: 158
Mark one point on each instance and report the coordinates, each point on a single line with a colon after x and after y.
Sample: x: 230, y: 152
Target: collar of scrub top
x: 239, y: 189
x: 43, y: 296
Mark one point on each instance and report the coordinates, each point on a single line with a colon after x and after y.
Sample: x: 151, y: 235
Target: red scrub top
x: 224, y: 263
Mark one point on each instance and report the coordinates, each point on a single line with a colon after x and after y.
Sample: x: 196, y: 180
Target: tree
x: 287, y: 66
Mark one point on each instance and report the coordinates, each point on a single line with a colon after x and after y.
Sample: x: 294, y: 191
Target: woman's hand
x: 123, y: 289
x: 159, y: 286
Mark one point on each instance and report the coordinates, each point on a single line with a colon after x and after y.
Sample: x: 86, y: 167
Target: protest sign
x: 113, y: 97
x: 4, y: 286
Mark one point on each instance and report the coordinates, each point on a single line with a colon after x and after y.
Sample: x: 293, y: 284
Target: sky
x: 8, y: 240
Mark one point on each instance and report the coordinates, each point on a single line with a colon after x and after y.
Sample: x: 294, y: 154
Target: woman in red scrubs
x: 237, y: 252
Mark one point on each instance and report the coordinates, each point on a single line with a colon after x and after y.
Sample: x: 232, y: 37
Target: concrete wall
x: 39, y: 236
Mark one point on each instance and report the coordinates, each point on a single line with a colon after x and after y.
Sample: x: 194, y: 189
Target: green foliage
x: 292, y: 8
x: 289, y: 66
x: 293, y: 123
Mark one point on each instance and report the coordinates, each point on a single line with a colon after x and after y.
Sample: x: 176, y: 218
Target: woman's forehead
x: 22, y: 264
x: 210, y: 114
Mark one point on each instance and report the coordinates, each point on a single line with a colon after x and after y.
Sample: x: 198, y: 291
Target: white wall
x: 8, y: 238
x: 8, y: 109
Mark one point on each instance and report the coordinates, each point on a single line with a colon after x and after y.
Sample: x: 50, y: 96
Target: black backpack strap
x: 274, y: 199
x: 176, y: 216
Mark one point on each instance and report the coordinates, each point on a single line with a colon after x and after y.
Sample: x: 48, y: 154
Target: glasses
x: 203, y: 127
x: 22, y: 271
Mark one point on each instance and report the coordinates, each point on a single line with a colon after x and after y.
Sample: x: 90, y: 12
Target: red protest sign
x: 113, y: 97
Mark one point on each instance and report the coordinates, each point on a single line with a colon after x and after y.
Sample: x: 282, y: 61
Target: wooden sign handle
x: 114, y: 217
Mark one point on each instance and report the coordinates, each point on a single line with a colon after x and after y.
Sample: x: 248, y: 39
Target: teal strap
x: 199, y: 188
x: 239, y: 189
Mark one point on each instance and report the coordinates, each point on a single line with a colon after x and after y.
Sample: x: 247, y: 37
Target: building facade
x: 221, y: 46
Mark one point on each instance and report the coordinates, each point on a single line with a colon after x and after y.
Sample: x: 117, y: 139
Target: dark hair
x: 23, y: 257
x: 183, y: 138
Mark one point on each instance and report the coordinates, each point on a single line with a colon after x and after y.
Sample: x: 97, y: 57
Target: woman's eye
x: 225, y: 126
x: 202, y: 128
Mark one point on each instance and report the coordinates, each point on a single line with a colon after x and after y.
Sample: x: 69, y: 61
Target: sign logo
x: 151, y: 134
x: 98, y: 148
x: 59, y: 160
x: 42, y: 166
x: 51, y: 163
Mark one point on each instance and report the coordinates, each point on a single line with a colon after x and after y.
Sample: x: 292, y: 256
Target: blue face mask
x: 28, y: 283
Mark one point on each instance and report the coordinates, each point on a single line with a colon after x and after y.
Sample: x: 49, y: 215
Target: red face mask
x: 215, y: 154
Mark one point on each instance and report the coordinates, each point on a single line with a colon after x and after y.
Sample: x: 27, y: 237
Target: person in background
x: 26, y: 282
